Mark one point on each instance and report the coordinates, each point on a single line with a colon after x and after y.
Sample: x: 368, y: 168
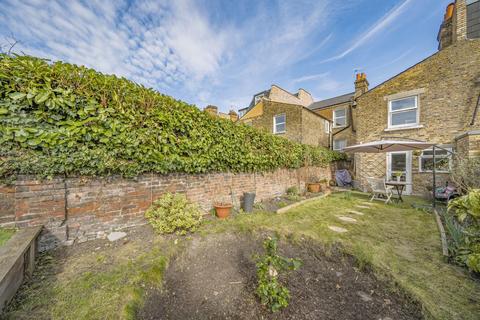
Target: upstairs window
x: 442, y: 160
x: 473, y: 19
x: 259, y: 97
x: 280, y: 123
x: 339, y: 117
x: 339, y: 144
x: 403, y: 113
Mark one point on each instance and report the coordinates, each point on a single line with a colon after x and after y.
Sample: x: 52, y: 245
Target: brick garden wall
x: 80, y: 209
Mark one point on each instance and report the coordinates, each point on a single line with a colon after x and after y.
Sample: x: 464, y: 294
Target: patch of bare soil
x: 215, y: 278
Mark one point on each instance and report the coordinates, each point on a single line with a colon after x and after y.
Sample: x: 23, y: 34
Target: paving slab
x: 347, y: 219
x: 337, y: 229
x: 358, y: 213
x: 362, y: 207
x: 367, y: 203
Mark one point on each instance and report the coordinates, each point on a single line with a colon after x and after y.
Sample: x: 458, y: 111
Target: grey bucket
x: 248, y: 200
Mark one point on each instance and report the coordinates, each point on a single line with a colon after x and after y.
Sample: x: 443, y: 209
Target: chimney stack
x: 233, y: 116
x: 445, y: 35
x: 213, y: 110
x: 361, y: 84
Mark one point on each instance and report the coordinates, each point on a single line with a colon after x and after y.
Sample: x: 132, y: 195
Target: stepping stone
x: 337, y: 229
x: 363, y: 207
x: 114, y: 236
x: 347, y: 219
x: 367, y: 203
x: 358, y: 213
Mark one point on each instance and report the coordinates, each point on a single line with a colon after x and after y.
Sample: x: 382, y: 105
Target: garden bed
x: 215, y: 278
x: 123, y: 279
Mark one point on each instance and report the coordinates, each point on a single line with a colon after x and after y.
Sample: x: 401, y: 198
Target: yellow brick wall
x: 446, y: 103
x: 348, y: 133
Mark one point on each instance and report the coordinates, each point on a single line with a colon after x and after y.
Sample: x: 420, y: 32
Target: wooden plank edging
x: 296, y: 204
x: 17, y: 260
x: 442, y: 233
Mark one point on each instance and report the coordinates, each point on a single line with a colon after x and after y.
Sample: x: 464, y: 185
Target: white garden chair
x: 380, y: 191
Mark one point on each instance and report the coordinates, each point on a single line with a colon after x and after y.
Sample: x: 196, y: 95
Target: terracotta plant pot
x: 223, y: 209
x: 314, y: 187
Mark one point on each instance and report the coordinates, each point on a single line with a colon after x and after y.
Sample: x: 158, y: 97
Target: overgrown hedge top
x: 59, y: 118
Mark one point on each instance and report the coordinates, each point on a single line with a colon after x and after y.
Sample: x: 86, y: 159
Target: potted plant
x: 397, y: 175
x: 325, y: 184
x: 314, y: 185
x: 222, y: 209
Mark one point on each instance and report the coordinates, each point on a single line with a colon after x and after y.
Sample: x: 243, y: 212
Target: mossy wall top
x: 59, y: 118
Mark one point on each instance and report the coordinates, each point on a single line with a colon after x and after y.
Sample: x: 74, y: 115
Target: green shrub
x: 467, y: 206
x: 293, y: 191
x: 59, y: 118
x: 293, y: 198
x: 464, y: 231
x: 269, y: 289
x: 282, y: 204
x: 173, y: 213
x: 473, y: 262
x: 259, y: 206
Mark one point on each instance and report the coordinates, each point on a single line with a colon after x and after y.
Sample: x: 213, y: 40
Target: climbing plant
x: 59, y: 118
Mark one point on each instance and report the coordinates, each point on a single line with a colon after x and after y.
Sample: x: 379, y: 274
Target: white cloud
x: 175, y: 46
x: 151, y: 42
x: 310, y: 77
x: 378, y: 27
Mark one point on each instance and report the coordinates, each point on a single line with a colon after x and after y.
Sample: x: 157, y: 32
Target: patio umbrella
x: 382, y: 146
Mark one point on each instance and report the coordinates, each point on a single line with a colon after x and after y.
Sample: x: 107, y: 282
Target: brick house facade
x: 340, y: 110
x: 285, y: 114
x: 435, y: 101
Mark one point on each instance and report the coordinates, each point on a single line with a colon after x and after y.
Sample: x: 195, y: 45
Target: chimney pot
x: 449, y: 11
x: 361, y: 84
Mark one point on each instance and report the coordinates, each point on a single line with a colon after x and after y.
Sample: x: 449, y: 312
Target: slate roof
x: 322, y: 104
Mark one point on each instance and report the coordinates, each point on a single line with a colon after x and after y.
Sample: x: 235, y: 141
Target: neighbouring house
x: 286, y: 114
x: 213, y: 110
x: 437, y: 100
x: 340, y: 110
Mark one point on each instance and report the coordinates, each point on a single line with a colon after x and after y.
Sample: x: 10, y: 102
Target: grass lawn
x: 5, y: 234
x: 401, y: 244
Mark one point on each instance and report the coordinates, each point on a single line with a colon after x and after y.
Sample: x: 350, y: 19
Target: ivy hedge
x: 59, y: 118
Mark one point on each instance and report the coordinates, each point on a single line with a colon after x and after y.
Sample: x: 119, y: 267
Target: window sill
x: 283, y: 132
x: 436, y: 171
x: 339, y: 127
x: 404, y: 128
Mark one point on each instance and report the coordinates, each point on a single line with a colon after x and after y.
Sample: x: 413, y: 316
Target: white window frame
x: 327, y: 126
x: 275, y: 123
x: 333, y: 144
x: 437, y: 157
x: 408, y: 125
x: 334, y: 117
x: 258, y: 97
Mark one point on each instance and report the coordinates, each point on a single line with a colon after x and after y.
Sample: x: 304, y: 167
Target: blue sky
x: 221, y: 52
